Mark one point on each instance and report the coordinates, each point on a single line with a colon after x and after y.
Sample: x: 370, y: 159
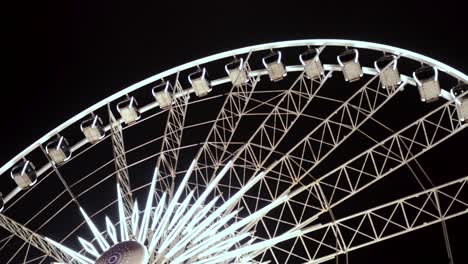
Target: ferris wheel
x: 287, y: 152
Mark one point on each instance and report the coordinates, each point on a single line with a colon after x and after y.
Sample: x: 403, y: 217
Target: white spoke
x: 273, y: 156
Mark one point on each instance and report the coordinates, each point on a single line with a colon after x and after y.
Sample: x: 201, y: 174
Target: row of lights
x: 426, y: 77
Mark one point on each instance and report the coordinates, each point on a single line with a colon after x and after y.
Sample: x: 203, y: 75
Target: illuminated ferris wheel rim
x: 268, y: 46
x: 255, y: 74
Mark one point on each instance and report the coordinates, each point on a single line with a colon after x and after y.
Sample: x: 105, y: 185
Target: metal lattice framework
x: 118, y: 149
x: 167, y: 161
x: 272, y: 163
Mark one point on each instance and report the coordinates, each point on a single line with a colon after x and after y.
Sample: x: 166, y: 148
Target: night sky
x: 63, y: 57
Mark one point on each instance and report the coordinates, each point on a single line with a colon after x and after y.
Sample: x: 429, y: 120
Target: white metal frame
x: 323, y: 193
x: 277, y: 45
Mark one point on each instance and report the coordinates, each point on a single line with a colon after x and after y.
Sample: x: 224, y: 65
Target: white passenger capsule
x: 349, y: 62
x: 275, y: 68
x: 24, y: 174
x: 200, y: 83
x: 163, y: 94
x: 427, y: 78
x: 312, y: 65
x: 128, y: 110
x: 387, y: 68
x: 93, y: 129
x: 237, y: 72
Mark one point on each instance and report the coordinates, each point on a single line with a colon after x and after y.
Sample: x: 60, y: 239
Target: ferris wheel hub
x: 124, y: 252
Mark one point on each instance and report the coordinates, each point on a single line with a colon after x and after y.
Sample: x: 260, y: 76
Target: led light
x: 312, y: 66
x: 128, y: 110
x: 2, y: 202
x: 199, y: 82
x: 75, y: 255
x: 158, y: 212
x: 387, y: 68
x: 149, y: 204
x: 123, y: 222
x: 111, y: 230
x: 59, y: 150
x: 183, y: 229
x: 274, y: 66
x: 460, y: 96
x: 229, y: 255
x: 427, y: 78
x: 135, y: 219
x: 162, y: 94
x: 349, y: 62
x: 93, y: 129
x: 237, y: 72
x: 88, y: 247
x: 24, y: 174
x: 99, y: 238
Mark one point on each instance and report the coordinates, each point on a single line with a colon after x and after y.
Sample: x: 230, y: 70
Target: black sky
x: 63, y: 57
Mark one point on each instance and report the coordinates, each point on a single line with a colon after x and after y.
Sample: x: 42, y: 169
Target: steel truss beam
x: 34, y: 239
x: 225, y: 127
x: 291, y: 104
x: 324, y: 139
x: 278, y: 123
x: 317, y: 195
x: 383, y: 158
x: 390, y: 220
x: 172, y: 139
x: 330, y: 191
x: 365, y: 102
x: 331, y: 132
x: 423, y: 187
x: 272, y: 131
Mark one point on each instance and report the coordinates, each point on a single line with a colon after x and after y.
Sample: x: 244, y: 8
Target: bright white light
x: 88, y: 247
x: 187, y: 230
x: 111, y: 230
